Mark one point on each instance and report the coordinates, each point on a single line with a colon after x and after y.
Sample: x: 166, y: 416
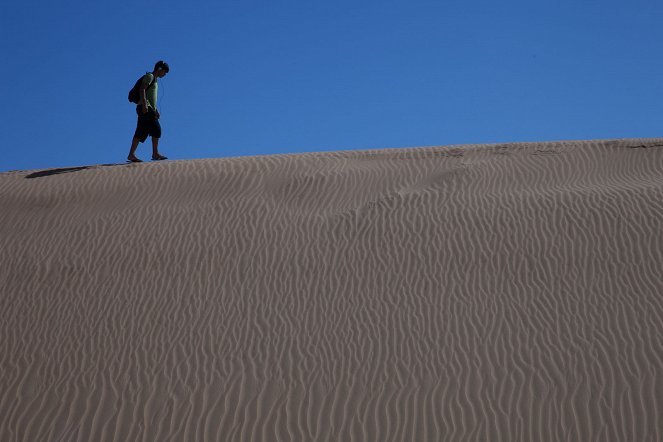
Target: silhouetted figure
x: 148, y: 115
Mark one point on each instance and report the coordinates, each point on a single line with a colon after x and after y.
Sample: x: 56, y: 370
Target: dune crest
x: 483, y: 292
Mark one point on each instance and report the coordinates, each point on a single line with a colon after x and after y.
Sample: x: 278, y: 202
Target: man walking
x: 148, y: 115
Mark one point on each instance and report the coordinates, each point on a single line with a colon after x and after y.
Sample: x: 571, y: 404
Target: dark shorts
x: 148, y: 125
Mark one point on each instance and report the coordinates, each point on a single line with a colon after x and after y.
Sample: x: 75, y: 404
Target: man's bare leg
x: 132, y: 152
x: 155, y: 150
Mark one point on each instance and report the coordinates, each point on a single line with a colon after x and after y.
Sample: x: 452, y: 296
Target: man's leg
x: 155, y: 132
x: 132, y: 151
x: 139, y: 135
x: 155, y: 150
x: 155, y: 147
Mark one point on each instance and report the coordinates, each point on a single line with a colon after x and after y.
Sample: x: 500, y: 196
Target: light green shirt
x: 151, y: 92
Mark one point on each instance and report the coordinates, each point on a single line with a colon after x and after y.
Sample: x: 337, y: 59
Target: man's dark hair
x: 162, y: 65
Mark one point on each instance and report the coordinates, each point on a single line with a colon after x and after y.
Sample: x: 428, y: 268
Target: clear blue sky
x: 261, y: 77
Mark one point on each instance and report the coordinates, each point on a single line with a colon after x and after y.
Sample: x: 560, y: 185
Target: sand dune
x: 488, y: 292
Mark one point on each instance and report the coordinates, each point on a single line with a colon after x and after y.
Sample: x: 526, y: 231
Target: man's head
x: 161, y: 68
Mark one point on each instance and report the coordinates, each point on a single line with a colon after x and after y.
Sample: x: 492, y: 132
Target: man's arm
x: 147, y: 81
x: 143, y: 98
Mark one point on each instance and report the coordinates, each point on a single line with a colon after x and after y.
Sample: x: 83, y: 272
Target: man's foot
x: 134, y: 159
x: 158, y: 157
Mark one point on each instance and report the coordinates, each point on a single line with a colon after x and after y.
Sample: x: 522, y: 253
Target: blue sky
x: 258, y: 77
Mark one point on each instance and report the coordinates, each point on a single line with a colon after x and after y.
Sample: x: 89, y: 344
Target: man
x: 148, y: 115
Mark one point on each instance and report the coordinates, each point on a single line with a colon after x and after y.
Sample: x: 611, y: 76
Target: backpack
x: 134, y: 93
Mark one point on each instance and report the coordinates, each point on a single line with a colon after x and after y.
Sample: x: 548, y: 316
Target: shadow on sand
x: 49, y: 172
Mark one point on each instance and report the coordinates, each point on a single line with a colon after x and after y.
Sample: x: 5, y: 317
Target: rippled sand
x: 488, y: 292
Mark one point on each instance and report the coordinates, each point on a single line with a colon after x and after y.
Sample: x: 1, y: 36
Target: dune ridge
x: 507, y: 292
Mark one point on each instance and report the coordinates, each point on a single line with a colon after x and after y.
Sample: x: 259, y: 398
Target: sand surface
x: 484, y: 292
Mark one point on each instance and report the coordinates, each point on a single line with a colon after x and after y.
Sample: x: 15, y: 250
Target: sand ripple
x: 497, y: 292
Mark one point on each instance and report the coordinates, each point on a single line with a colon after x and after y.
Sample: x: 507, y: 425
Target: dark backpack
x: 134, y: 93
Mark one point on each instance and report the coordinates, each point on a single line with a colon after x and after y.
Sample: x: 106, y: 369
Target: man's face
x: 161, y: 73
